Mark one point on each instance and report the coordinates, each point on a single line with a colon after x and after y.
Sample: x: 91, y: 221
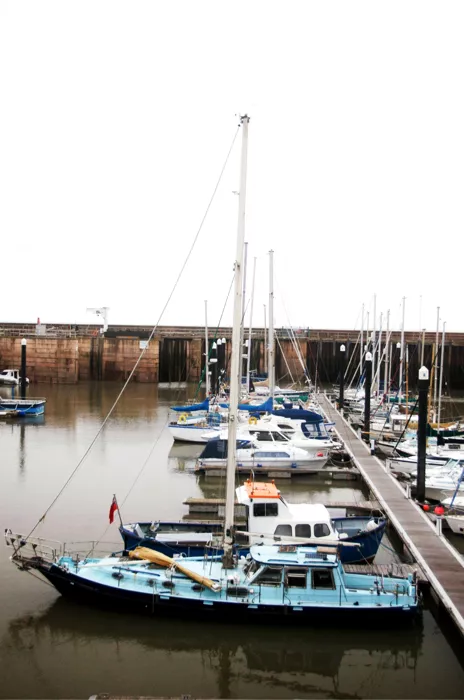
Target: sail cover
x: 299, y: 414
x: 204, y: 406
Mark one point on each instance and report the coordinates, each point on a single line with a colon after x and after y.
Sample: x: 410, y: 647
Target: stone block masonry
x: 68, y: 360
x: 63, y: 353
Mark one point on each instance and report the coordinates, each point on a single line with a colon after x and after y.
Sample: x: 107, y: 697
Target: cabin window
x: 262, y: 435
x: 278, y: 437
x: 271, y: 576
x: 322, y: 578
x: 287, y: 428
x: 295, y: 577
x: 283, y: 530
x: 302, y: 530
x: 269, y: 509
x: 321, y: 530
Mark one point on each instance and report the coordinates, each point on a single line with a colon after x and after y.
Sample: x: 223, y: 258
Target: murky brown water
x: 52, y: 648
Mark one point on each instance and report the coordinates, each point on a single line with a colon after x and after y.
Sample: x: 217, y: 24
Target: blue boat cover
x: 204, y: 406
x: 299, y: 414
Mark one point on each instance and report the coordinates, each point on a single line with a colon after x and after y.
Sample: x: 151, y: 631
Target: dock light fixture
x: 423, y: 390
x: 342, y: 378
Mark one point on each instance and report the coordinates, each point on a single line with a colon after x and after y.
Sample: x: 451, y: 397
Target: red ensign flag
x: 113, y: 508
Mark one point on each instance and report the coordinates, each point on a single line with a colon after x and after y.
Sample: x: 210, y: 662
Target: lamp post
x: 367, y: 396
x: 213, y: 362
x: 222, y: 372
x: 400, y: 379
x: 23, y: 368
x: 342, y: 377
x: 219, y: 363
x: 423, y: 386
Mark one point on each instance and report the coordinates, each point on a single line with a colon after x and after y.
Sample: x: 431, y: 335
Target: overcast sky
x: 116, y: 118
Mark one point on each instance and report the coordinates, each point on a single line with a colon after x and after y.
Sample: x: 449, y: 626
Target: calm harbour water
x: 53, y: 648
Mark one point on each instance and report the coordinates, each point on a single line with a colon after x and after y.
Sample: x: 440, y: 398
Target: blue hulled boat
x: 268, y: 517
x: 285, y: 583
x: 22, y: 407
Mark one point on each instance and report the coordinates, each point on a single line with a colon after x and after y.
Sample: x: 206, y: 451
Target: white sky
x: 115, y: 121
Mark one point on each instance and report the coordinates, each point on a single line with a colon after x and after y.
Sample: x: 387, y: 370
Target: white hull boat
x: 11, y: 377
x: 456, y: 523
x: 193, y: 433
x: 254, y: 455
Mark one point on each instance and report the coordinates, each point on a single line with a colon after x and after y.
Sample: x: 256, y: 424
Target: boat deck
x: 441, y: 563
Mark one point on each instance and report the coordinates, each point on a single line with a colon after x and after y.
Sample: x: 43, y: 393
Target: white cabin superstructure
x: 270, y: 514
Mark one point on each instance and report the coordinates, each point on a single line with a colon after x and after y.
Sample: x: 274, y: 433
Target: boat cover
x: 299, y: 414
x: 204, y: 406
x: 217, y: 448
x: 265, y: 407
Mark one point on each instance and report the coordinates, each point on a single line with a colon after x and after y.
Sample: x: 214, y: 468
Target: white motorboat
x: 456, y: 523
x: 408, y: 465
x: 273, y: 428
x: 252, y: 454
x: 445, y: 482
x: 11, y: 377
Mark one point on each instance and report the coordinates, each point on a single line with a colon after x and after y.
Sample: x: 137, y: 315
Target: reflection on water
x: 53, y: 648
x: 208, y: 660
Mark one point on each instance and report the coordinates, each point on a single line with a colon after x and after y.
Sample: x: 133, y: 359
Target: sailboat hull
x: 232, y: 610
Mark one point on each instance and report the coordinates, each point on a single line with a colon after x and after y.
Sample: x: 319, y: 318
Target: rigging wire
x: 110, y: 412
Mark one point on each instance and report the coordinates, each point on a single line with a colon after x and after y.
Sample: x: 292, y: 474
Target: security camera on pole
x: 423, y: 386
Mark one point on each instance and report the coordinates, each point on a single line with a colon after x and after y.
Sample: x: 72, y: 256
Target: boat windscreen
x: 217, y: 448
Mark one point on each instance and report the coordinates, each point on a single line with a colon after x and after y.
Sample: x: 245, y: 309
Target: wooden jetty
x: 441, y: 563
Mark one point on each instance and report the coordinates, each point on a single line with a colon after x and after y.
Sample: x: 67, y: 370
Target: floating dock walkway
x: 441, y: 563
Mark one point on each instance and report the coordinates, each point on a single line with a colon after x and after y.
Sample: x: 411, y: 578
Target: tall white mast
x: 250, y: 326
x: 400, y: 380
x: 242, y: 327
x: 379, y: 354
x: 271, y: 362
x: 386, y: 387
x: 435, y: 379
x: 442, y: 362
x: 361, y: 347
x: 264, y: 341
x: 236, y: 361
x: 206, y: 349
